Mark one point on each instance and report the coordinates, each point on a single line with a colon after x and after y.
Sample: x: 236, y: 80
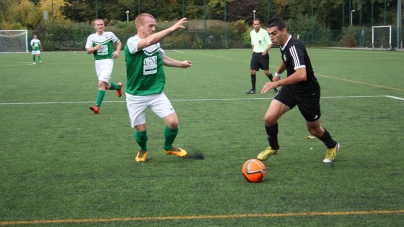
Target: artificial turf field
x: 62, y: 165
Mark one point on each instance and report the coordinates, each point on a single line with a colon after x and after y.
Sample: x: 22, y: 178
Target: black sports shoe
x: 252, y: 91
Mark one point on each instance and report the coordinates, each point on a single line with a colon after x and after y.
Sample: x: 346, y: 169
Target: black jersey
x: 294, y: 56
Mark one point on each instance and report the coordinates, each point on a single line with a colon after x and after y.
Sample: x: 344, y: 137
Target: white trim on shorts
x: 104, y: 68
x: 137, y: 106
x: 36, y: 52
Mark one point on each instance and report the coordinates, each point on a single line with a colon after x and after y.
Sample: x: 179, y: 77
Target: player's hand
x: 116, y: 54
x: 178, y: 25
x: 265, y: 52
x: 268, y: 86
x: 185, y: 64
x: 98, y: 46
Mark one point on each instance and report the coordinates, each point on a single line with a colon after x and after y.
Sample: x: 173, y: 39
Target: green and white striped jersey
x: 107, y: 39
x: 36, y: 43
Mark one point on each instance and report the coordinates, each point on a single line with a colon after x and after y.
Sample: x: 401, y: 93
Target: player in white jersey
x: 36, y: 49
x: 100, y: 44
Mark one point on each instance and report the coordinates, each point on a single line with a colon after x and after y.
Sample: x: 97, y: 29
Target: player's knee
x: 315, y: 131
x: 269, y: 120
x: 171, y: 120
x: 172, y: 124
x: 102, y: 85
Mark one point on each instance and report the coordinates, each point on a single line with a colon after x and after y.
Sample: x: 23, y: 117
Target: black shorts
x: 309, y: 104
x: 259, y: 62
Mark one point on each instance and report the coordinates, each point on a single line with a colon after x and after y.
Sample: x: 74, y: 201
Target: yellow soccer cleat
x: 141, y: 156
x: 331, y: 154
x: 264, y: 155
x: 179, y: 152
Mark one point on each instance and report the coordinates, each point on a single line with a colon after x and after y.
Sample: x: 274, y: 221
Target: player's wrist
x: 277, y: 75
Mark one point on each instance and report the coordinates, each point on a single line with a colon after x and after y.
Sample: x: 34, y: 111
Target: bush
x: 349, y: 37
x: 211, y: 34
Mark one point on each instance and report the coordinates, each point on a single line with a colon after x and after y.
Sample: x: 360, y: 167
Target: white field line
x: 394, y: 97
x: 197, y: 100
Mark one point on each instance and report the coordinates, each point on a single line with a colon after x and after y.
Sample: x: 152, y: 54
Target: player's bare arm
x: 280, y: 70
x: 118, y: 49
x: 298, y: 76
x: 92, y: 49
x: 157, y: 37
x: 167, y: 61
x: 265, y: 52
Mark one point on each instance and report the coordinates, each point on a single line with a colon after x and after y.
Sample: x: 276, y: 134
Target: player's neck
x: 140, y: 35
x: 100, y: 32
x: 285, y: 40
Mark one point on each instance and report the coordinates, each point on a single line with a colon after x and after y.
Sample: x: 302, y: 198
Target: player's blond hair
x: 98, y: 20
x: 140, y: 18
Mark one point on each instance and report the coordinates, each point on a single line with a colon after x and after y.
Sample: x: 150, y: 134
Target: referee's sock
x: 270, y: 77
x: 253, y: 81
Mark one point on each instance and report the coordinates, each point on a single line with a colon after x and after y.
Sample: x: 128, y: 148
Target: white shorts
x: 36, y: 52
x: 137, y: 105
x: 103, y: 68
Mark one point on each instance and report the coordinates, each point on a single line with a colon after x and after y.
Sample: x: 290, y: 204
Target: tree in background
x: 26, y: 14
x: 242, y: 10
x: 57, y: 10
x: 334, y: 14
x: 216, y: 8
x: 5, y: 14
x: 78, y: 10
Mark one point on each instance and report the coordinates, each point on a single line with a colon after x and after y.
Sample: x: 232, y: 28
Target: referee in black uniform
x: 261, y: 44
x: 300, y: 88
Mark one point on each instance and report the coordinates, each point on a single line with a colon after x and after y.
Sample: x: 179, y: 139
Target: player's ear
x: 284, y: 31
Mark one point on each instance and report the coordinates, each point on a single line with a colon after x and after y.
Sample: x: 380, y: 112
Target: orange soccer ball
x: 254, y: 170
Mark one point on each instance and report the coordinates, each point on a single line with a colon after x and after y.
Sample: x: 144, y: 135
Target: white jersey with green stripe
x: 107, y: 39
x: 36, y: 43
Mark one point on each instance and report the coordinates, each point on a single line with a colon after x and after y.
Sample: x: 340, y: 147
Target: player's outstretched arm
x: 157, y: 37
x: 167, y: 61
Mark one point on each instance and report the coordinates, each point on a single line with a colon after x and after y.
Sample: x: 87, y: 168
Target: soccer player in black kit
x: 300, y: 88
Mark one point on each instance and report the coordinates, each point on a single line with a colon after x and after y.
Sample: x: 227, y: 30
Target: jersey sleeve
x: 132, y: 44
x: 114, y: 38
x: 252, y: 37
x: 297, y: 53
x: 162, y: 53
x: 89, y: 42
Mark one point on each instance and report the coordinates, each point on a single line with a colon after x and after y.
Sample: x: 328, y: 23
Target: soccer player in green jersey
x: 36, y: 49
x: 145, y: 61
x: 100, y: 44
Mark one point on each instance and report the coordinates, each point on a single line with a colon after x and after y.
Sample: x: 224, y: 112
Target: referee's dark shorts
x: 259, y: 62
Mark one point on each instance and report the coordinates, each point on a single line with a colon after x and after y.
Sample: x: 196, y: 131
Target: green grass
x: 64, y: 166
